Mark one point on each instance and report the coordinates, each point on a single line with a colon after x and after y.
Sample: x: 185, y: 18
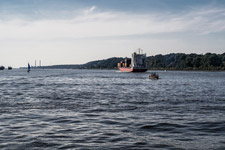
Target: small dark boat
x: 154, y: 76
x: 9, y: 68
x: 2, y: 67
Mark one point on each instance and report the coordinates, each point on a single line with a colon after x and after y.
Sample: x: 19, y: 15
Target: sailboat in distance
x: 28, y: 68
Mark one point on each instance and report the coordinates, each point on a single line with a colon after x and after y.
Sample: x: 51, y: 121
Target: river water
x: 107, y: 109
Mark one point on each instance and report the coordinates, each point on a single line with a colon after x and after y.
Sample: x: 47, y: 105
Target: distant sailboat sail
x: 28, y: 68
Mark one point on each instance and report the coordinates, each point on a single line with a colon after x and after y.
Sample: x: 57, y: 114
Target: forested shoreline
x: 173, y: 61
x: 180, y: 61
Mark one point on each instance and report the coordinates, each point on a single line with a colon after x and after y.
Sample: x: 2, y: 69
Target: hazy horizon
x: 79, y: 31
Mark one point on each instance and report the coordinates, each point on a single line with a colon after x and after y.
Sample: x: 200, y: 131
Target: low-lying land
x: 173, y: 61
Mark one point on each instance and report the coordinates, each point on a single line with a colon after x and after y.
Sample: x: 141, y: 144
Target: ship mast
x: 140, y: 51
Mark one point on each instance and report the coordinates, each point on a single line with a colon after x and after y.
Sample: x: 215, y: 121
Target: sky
x: 79, y: 31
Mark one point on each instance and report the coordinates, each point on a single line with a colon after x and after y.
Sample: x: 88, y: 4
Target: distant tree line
x: 110, y: 63
x: 180, y: 61
x: 173, y: 61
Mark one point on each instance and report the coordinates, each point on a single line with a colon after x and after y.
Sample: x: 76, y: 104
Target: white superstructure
x: 138, y: 60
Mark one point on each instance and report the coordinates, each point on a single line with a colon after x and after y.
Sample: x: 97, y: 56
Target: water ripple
x: 104, y: 109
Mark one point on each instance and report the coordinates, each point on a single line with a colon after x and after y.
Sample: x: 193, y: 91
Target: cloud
x: 89, y: 10
x: 89, y: 24
x: 91, y: 33
x: 205, y: 20
x: 92, y: 8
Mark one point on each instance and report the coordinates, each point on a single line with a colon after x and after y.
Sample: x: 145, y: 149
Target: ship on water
x: 135, y: 64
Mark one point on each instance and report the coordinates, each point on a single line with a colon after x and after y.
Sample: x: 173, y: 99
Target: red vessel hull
x: 132, y: 70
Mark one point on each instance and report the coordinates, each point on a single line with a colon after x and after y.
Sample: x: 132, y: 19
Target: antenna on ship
x: 139, y: 50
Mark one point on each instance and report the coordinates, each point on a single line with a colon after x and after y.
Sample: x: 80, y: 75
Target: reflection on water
x: 99, y: 109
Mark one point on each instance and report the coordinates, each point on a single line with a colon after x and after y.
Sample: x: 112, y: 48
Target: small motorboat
x: 154, y: 76
x: 9, y: 68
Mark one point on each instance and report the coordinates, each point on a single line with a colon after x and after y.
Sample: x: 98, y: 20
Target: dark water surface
x: 101, y: 109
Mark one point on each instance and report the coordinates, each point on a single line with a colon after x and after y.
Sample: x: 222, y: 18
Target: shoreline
x: 119, y: 70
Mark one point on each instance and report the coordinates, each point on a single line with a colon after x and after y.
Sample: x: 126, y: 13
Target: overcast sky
x: 78, y: 31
